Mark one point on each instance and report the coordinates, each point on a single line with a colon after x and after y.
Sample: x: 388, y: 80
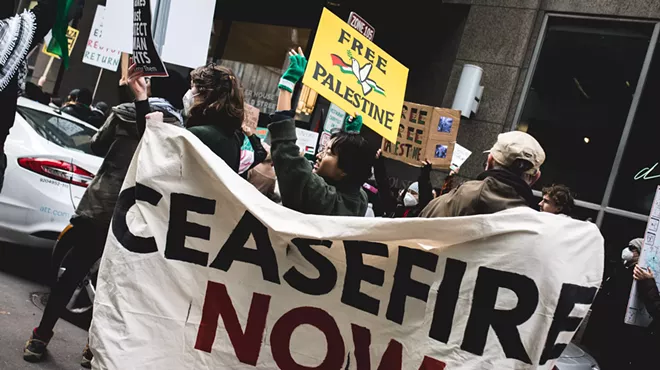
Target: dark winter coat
x: 117, y: 141
x: 494, y: 191
x: 301, y: 189
x: 85, y: 113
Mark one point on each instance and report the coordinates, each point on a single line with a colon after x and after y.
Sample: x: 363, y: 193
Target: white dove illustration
x: 363, y: 76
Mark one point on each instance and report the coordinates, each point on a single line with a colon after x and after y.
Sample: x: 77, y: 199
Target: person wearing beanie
x: 513, y: 166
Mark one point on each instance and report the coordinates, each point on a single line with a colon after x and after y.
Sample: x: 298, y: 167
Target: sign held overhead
x: 352, y: 72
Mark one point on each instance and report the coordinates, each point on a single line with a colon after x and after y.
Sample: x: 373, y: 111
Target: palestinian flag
x: 343, y: 66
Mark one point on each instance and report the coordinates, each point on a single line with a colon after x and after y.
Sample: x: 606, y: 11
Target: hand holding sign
x: 137, y: 83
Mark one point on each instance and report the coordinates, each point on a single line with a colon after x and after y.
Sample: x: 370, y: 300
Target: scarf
x: 16, y: 34
x: 518, y: 184
x: 126, y: 111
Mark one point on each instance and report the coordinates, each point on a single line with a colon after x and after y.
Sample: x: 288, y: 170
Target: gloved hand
x: 353, y: 124
x: 294, y: 73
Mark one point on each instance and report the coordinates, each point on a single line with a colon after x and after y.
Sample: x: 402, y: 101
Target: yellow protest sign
x: 356, y: 75
x: 51, y: 49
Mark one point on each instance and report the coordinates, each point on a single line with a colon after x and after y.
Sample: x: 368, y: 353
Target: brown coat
x: 475, y: 198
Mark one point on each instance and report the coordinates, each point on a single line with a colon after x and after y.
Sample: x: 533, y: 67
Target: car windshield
x: 59, y: 130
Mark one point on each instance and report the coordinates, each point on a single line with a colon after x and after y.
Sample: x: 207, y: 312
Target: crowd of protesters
x: 348, y: 179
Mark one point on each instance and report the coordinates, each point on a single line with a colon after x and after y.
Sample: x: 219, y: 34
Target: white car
x: 574, y: 358
x: 49, y: 165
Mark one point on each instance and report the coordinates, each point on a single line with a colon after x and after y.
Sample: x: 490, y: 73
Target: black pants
x: 88, y: 240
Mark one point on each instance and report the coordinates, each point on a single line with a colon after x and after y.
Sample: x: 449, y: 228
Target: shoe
x: 35, y: 348
x: 87, y: 357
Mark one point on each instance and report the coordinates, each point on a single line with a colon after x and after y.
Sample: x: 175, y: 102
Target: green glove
x: 294, y: 73
x: 353, y: 124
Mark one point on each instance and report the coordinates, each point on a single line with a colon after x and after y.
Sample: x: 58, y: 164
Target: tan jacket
x: 475, y: 198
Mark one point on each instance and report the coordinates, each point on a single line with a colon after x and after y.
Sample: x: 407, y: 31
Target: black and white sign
x: 362, y: 26
x: 145, y: 55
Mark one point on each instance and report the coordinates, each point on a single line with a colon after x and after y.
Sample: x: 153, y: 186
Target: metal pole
x: 98, y: 81
x: 629, y: 122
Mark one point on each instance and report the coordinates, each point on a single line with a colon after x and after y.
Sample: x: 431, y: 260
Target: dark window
x: 60, y: 131
x: 580, y: 96
x: 639, y: 174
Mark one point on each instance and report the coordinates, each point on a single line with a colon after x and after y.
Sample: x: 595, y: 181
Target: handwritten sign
x: 96, y: 53
x: 425, y: 133
x: 145, y: 55
x: 307, y: 141
x: 251, y: 116
x: 636, y: 313
x: 461, y: 154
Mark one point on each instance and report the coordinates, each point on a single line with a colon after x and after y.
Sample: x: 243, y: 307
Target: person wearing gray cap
x: 513, y: 166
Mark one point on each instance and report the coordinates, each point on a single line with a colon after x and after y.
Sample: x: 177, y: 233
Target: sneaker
x: 87, y: 357
x: 35, y: 348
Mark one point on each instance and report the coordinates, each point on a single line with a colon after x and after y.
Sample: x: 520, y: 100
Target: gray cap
x: 514, y: 145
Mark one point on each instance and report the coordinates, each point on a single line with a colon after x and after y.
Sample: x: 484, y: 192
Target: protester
x: 79, y: 105
x: 334, y: 185
x: 103, y: 108
x: 25, y: 30
x: 557, y: 199
x: 214, y: 110
x: 116, y: 141
x: 513, y: 166
x: 411, y: 201
x: 647, y: 291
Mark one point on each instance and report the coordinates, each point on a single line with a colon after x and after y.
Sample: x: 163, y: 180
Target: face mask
x: 188, y: 102
x: 627, y: 256
x: 409, y: 200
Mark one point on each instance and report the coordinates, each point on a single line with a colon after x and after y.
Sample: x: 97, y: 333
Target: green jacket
x: 301, y: 189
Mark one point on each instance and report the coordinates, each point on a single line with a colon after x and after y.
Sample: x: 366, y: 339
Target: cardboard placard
x: 145, y: 55
x: 251, y: 116
x: 96, y: 53
x: 352, y: 72
x: 425, y: 133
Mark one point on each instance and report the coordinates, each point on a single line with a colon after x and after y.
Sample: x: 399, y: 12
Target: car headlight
x: 595, y: 367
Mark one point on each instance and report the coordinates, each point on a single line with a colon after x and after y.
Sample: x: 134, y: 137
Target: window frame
x: 602, y: 207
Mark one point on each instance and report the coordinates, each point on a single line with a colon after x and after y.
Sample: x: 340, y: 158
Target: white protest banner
x: 96, y: 53
x: 201, y: 271
x: 461, y: 154
x: 636, y: 313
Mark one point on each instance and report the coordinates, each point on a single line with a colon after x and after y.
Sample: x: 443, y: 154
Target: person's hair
x: 220, y: 98
x: 84, y: 97
x: 103, y: 107
x: 73, y: 95
x: 562, y: 197
x: 354, y: 156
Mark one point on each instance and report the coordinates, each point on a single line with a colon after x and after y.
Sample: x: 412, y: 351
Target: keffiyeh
x: 16, y: 35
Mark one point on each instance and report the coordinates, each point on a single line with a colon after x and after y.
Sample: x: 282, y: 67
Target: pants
x: 88, y: 240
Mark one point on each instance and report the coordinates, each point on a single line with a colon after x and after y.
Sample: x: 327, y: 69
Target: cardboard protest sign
x: 352, y: 72
x: 251, y: 116
x: 96, y: 53
x: 52, y: 49
x: 636, y: 314
x: 425, y: 133
x: 145, y: 55
x: 201, y: 271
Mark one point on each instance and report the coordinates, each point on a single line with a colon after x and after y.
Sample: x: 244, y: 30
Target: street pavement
x: 24, y: 273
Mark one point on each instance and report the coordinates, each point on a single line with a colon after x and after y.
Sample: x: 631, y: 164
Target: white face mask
x: 409, y: 200
x: 188, y: 100
x: 627, y: 256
